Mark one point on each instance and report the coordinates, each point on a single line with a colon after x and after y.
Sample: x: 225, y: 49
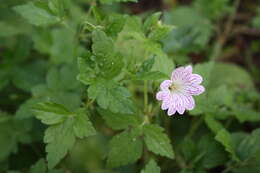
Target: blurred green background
x: 226, y: 31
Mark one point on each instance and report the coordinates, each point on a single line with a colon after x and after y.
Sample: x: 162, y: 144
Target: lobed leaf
x: 156, y: 141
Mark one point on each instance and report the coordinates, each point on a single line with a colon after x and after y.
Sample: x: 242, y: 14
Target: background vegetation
x: 78, y: 81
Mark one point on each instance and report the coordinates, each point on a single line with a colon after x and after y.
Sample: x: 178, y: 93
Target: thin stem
x: 224, y: 35
x: 194, y: 126
x: 145, y: 97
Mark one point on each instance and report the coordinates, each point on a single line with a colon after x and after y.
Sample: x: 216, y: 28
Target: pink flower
x: 176, y: 94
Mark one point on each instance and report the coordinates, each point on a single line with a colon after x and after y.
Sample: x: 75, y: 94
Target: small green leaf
x: 247, y: 145
x: 115, y: 24
x: 213, y: 124
x: 86, y: 71
x: 109, y: 61
x: 39, y: 167
x: 60, y: 139
x: 102, y: 45
x: 151, y: 167
x: 112, y: 1
x: 157, y: 141
x: 153, y: 75
x: 224, y: 137
x: 36, y: 15
x: 125, y: 148
x: 63, y: 49
x: 51, y: 113
x: 82, y: 126
x: 151, y: 21
x: 110, y: 95
x: 119, y: 121
x: 147, y: 65
x: 256, y: 19
x: 214, y: 153
x: 61, y: 135
x: 160, y: 31
x: 245, y: 114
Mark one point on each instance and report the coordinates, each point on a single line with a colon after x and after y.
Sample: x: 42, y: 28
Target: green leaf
x: 224, y: 137
x: 36, y: 15
x: 62, y: 87
x: 245, y: 114
x: 82, y: 125
x: 109, y: 61
x: 63, y: 49
x: 29, y: 75
x: 59, y: 7
x: 112, y: 1
x: 8, y: 30
x: 145, y: 73
x: 86, y: 67
x: 160, y: 31
x: 213, y: 124
x: 256, y: 19
x: 193, y: 31
x: 42, y: 40
x: 125, y: 148
x: 60, y: 139
x: 214, y: 154
x: 189, y: 149
x: 63, y: 78
x: 110, y: 95
x: 231, y: 75
x: 153, y: 75
x: 114, y: 24
x: 12, y: 133
x: 247, y: 145
x: 147, y: 65
x: 61, y: 135
x: 39, y: 167
x: 51, y: 113
x: 151, y: 21
x: 157, y: 141
x: 119, y: 121
x: 102, y: 44
x: 213, y: 9
x: 163, y: 64
x: 151, y: 167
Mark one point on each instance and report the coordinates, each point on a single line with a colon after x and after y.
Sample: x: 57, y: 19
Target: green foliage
x: 36, y: 14
x: 12, y: 133
x: 119, y: 121
x: 64, y: 127
x: 111, y: 1
x: 151, y: 167
x: 157, y: 141
x: 78, y: 84
x: 110, y: 95
x: 39, y: 167
x: 125, y: 148
x: 256, y: 20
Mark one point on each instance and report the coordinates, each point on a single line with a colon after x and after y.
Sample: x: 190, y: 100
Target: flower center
x: 175, y: 87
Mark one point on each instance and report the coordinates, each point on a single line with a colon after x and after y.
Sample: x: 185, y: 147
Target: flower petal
x: 180, y: 109
x: 178, y: 103
x: 194, y: 79
x: 165, y: 85
x: 161, y: 95
x: 190, y: 103
x: 194, y: 89
x: 171, y: 111
x: 165, y: 105
x: 188, y: 69
x: 177, y: 73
